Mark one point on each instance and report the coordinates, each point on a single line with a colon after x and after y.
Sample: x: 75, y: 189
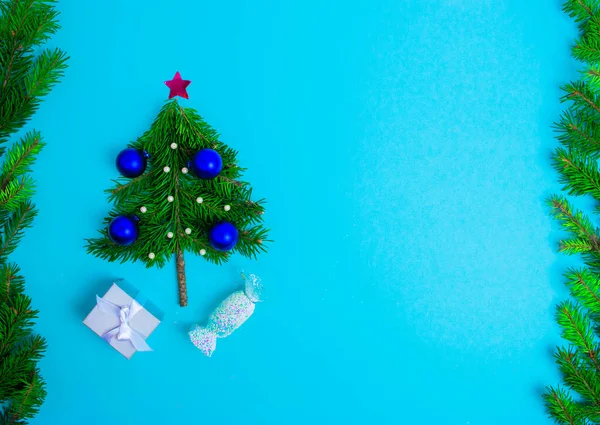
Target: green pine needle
x: 578, y: 173
x: 585, y: 236
x: 578, y: 131
x: 13, y: 229
x: 582, y: 10
x: 576, y: 246
x: 562, y: 407
x: 584, y: 286
x: 579, y: 377
x: 577, y: 329
x: 592, y: 76
x: 21, y: 156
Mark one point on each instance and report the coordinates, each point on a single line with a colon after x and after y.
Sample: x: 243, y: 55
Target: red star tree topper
x: 178, y: 86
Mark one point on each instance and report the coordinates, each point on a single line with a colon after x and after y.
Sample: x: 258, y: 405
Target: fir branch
x: 125, y: 190
x: 587, y: 48
x: 577, y: 329
x: 21, y: 157
x: 27, y: 401
x: 575, y: 246
x: 29, y: 404
x: 13, y: 229
x: 23, y: 26
x: 13, y: 21
x: 575, y: 222
x: 200, y: 129
x: 15, y: 193
x: 24, y: 99
x: 583, y: 98
x: 562, y: 407
x: 579, y: 131
x: 584, y: 286
x: 592, y: 76
x: 47, y: 70
x: 11, y: 283
x: 579, y: 378
x: 578, y: 173
x: 581, y: 10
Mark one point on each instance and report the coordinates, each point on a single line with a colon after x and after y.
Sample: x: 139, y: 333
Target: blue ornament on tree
x: 124, y: 230
x: 132, y: 162
x: 223, y: 236
x: 206, y: 164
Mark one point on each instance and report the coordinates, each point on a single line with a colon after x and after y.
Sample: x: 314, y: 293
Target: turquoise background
x: 403, y: 147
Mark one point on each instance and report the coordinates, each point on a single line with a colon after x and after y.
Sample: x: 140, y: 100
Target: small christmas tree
x: 181, y: 191
x: 27, y: 73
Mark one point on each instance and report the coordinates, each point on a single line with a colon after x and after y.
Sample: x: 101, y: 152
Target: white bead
x: 143, y: 209
x: 184, y: 170
x: 188, y: 231
x: 151, y: 256
x: 202, y: 252
x: 173, y: 145
x: 170, y: 198
x: 227, y: 207
x: 170, y: 235
x: 199, y: 200
x: 166, y: 169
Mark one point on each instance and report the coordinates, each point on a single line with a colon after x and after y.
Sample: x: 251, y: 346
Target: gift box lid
x: 139, y: 296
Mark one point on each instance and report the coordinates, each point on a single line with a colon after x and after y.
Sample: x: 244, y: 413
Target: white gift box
x: 122, y: 321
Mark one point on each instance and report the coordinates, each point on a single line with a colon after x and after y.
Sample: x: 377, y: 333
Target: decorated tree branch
x: 577, y: 400
x: 180, y: 190
x: 25, y: 77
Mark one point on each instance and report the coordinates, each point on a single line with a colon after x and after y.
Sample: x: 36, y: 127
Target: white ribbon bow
x: 123, y: 332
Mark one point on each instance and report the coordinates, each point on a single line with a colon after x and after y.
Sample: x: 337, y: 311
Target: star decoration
x: 178, y: 86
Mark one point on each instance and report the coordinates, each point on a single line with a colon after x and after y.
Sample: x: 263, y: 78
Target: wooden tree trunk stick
x: 181, y: 280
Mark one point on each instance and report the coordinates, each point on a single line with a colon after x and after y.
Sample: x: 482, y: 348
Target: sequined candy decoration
x: 228, y: 316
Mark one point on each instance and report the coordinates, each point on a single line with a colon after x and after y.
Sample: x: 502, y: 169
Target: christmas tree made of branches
x: 577, y: 400
x: 27, y: 73
x: 171, y: 199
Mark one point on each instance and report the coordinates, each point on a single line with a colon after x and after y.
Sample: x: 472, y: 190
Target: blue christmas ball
x: 223, y: 236
x: 132, y: 162
x: 124, y: 230
x: 206, y: 164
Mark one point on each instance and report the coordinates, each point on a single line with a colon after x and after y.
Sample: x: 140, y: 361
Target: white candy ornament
x: 228, y: 316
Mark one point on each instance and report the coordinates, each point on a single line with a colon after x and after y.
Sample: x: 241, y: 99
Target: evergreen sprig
x: 27, y: 73
x: 185, y: 128
x: 577, y: 400
x: 580, y: 132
